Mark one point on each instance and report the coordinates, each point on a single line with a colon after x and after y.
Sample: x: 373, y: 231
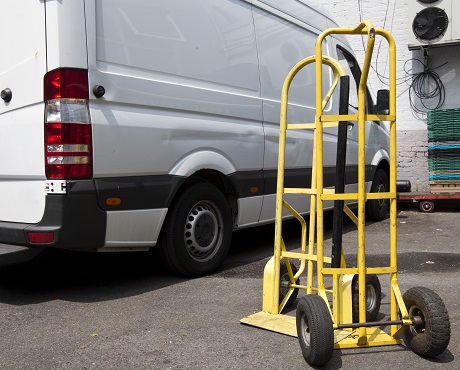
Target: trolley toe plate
x: 280, y: 323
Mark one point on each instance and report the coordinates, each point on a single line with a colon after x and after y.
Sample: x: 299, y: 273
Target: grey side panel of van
x: 182, y: 89
x: 283, y: 40
x: 178, y: 81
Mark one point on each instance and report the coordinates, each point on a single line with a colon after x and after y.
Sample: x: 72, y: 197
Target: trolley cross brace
x: 369, y: 324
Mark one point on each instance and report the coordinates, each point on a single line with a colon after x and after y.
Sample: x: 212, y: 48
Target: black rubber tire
x: 314, y: 330
x: 284, y: 284
x: 426, y: 206
x: 377, y: 209
x: 373, y: 297
x: 430, y: 335
x: 197, y: 231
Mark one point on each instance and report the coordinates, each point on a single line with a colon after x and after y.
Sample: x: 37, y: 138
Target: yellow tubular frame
x: 270, y: 317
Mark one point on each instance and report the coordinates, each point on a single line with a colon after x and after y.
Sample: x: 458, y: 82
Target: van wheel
x: 197, y: 232
x: 377, y: 209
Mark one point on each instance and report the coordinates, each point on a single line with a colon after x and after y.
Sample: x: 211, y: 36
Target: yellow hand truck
x: 347, y: 321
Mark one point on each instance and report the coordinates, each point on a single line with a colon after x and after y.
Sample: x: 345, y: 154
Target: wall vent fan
x: 433, y: 23
x: 430, y: 23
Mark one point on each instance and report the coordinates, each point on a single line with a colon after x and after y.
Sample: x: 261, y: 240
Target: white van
x: 130, y: 123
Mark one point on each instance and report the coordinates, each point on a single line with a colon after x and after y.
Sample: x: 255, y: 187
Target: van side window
x: 349, y: 64
x: 352, y: 69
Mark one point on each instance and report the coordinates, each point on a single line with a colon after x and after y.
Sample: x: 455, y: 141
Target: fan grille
x: 430, y: 23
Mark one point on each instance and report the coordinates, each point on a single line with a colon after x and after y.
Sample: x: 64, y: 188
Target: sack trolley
x: 418, y: 317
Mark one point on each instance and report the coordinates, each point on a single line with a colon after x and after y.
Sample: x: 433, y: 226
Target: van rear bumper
x: 75, y: 219
x: 10, y: 254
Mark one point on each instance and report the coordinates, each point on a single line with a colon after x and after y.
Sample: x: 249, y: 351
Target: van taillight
x: 68, y: 138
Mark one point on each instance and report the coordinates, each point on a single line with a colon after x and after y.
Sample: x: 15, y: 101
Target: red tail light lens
x: 68, y: 134
x: 68, y: 151
x: 68, y: 83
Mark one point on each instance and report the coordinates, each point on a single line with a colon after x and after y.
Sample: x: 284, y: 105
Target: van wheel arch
x: 212, y: 177
x: 220, y: 181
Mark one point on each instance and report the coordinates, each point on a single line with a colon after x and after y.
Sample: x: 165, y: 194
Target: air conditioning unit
x: 433, y: 23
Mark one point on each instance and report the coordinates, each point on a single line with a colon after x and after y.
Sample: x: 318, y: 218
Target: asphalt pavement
x: 69, y: 310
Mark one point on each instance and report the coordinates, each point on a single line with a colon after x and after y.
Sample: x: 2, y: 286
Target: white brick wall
x: 412, y: 135
x: 412, y: 158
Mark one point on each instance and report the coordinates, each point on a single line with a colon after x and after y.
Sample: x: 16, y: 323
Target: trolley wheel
x: 429, y: 334
x: 284, y: 284
x: 373, y: 297
x: 426, y: 206
x: 314, y: 330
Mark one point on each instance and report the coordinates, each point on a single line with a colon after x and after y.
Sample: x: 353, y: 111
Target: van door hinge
x: 56, y: 187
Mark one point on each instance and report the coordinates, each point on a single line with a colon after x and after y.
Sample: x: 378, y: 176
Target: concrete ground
x: 101, y: 311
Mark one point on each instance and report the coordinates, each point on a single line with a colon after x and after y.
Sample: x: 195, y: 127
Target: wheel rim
x: 426, y: 206
x: 418, y: 319
x: 371, y: 298
x: 203, y: 231
x: 381, y: 189
x: 305, y: 330
x: 284, y: 284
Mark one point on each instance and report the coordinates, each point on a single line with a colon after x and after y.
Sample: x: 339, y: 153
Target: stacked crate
x: 444, y: 150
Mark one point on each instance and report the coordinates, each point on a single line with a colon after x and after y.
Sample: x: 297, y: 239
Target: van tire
x: 377, y: 209
x: 197, y: 231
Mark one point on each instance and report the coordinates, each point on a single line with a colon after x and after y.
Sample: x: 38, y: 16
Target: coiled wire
x: 425, y: 86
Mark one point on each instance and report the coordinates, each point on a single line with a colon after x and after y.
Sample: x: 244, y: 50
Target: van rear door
x: 22, y: 67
